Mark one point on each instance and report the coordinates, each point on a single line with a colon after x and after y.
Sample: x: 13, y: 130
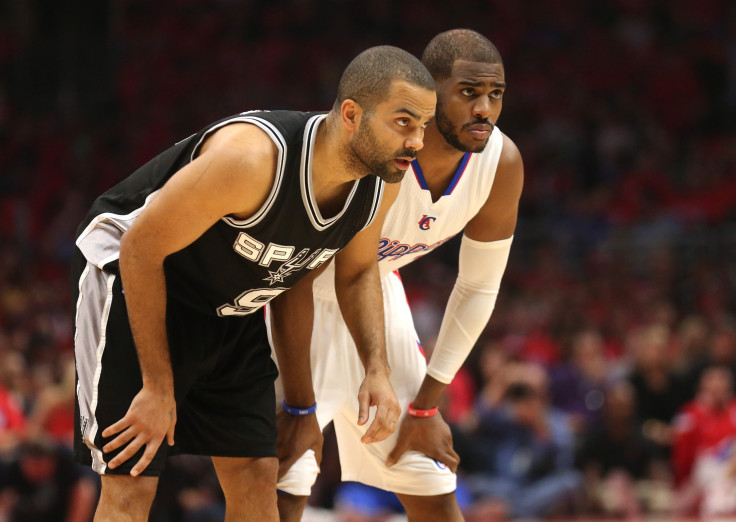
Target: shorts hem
x: 422, y: 491
x: 284, y: 491
x: 258, y: 453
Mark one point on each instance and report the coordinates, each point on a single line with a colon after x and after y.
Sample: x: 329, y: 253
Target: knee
x: 254, y: 474
x: 291, y: 507
x: 437, y: 507
x: 128, y: 494
x: 262, y: 470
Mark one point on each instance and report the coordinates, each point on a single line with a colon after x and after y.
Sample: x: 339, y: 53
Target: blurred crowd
x: 604, y: 382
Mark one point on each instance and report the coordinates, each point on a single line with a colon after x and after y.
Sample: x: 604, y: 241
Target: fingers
x: 145, y: 460
x: 383, y: 425
x: 117, y: 427
x: 135, y: 440
x: 285, y: 465
x: 318, y: 455
x: 385, y: 422
x: 130, y: 450
x: 397, y: 452
x: 119, y: 441
x: 363, y: 407
x: 453, y: 460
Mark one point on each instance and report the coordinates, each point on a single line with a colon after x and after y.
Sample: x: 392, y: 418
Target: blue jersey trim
x: 455, y: 179
x: 419, y: 174
x: 458, y: 174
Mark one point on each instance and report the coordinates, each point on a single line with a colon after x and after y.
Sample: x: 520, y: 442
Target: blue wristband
x: 299, y: 412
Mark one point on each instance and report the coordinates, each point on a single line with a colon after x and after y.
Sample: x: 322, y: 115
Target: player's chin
x: 393, y: 175
x: 475, y: 146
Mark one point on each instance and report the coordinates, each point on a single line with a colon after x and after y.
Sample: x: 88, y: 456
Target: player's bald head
x: 458, y: 44
x: 367, y: 79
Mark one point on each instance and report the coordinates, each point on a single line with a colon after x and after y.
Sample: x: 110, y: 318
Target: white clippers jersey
x: 415, y: 225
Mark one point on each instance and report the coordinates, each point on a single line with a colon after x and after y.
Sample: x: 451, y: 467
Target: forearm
x: 361, y: 303
x: 429, y: 393
x: 470, y: 305
x: 144, y: 285
x: 292, y: 315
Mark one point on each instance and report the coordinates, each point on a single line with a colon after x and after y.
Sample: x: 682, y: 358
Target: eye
x: 497, y: 94
x: 402, y: 122
x: 467, y: 91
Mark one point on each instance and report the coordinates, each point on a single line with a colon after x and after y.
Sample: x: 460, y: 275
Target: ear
x: 350, y: 114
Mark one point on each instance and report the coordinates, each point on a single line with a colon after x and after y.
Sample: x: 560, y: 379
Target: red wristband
x: 421, y: 413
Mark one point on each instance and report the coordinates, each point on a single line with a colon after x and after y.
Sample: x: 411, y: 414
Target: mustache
x: 406, y: 153
x: 485, y: 123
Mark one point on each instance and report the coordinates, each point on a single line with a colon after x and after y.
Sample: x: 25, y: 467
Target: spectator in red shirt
x: 703, y: 447
x: 12, y: 418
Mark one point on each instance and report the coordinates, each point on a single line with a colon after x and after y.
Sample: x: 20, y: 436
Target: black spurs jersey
x: 237, y: 266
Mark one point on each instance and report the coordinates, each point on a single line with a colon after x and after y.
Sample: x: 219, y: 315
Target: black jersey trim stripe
x: 377, y: 198
x: 315, y: 217
x: 280, y: 142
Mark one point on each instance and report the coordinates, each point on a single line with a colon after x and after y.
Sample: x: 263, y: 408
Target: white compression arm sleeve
x: 481, y: 266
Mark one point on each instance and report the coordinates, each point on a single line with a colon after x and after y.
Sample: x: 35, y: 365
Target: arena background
x: 619, y: 291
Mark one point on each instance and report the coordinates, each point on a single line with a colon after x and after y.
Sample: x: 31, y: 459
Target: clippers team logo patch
x: 426, y: 222
x: 393, y: 250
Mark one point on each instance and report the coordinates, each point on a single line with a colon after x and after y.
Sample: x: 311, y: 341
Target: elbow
x: 126, y: 250
x: 135, y: 255
x: 130, y: 253
x: 346, y: 282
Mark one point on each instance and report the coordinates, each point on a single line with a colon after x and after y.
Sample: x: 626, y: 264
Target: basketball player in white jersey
x: 468, y: 177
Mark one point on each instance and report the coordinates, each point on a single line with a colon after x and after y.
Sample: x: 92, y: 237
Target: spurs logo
x: 295, y: 263
x: 265, y: 254
x: 426, y: 221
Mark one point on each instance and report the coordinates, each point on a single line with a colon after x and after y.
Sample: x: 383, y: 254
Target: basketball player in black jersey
x: 174, y: 264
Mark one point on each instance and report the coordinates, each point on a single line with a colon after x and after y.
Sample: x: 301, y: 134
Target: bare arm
x: 471, y: 301
x: 291, y: 316
x: 359, y: 294
x: 232, y: 175
x: 495, y: 221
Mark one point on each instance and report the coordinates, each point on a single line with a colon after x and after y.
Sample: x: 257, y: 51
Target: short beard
x: 362, y: 156
x: 445, y: 128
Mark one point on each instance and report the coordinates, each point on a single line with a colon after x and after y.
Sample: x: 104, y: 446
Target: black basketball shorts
x: 223, y: 378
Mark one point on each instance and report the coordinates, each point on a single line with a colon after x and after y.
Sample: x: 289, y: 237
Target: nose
x: 482, y: 108
x: 415, y: 140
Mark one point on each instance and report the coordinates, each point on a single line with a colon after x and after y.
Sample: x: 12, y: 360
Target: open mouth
x: 403, y: 164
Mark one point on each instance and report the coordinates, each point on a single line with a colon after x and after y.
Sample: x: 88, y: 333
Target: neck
x: 329, y: 167
x: 332, y: 175
x: 438, y: 159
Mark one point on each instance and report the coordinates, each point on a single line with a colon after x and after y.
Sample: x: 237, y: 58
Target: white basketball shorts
x: 337, y: 373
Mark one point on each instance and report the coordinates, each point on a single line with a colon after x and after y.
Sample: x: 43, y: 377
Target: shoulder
x: 241, y: 148
x: 509, y: 179
x: 496, y: 219
x: 241, y: 142
x: 510, y: 163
